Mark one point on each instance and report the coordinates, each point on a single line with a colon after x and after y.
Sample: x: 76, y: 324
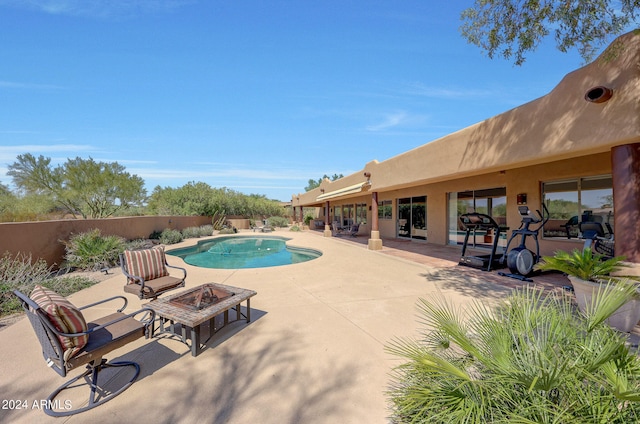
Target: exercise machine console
x: 472, y: 222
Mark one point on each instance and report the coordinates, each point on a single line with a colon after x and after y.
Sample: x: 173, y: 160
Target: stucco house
x: 577, y: 149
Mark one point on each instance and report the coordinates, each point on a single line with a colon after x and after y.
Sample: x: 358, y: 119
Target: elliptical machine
x: 521, y: 260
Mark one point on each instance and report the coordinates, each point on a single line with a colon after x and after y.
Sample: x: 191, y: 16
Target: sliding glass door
x: 492, y: 202
x: 412, y: 218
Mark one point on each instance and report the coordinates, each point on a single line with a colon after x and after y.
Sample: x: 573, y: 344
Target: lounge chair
x: 353, y: 232
x: 68, y: 342
x: 147, y: 273
x: 263, y: 228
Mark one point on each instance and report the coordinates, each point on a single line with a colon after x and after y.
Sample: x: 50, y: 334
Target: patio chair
x: 147, y: 273
x: 353, y: 232
x: 336, y: 229
x: 68, y: 342
x: 262, y: 227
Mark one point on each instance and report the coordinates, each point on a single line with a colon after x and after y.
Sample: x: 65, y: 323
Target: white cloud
x: 395, y: 120
x: 9, y: 153
x: 225, y: 173
x: 422, y: 90
x: 29, y: 86
x: 98, y: 8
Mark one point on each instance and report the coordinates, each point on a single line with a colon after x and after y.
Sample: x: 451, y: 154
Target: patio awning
x: 352, y: 189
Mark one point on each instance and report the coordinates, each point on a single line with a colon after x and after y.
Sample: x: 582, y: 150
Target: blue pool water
x: 244, y: 252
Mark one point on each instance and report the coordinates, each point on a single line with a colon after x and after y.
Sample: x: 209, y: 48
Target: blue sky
x: 255, y: 96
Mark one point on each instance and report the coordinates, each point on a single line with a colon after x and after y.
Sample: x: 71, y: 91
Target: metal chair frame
x: 53, y: 352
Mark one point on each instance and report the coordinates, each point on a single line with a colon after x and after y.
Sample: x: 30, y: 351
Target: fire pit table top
x: 196, y: 305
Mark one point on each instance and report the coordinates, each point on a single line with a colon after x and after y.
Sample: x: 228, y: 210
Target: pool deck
x: 313, y: 352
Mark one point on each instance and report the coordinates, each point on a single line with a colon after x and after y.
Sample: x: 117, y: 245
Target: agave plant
x: 530, y: 360
x: 93, y: 251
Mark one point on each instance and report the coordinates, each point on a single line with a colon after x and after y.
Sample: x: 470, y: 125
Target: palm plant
x: 531, y: 359
x: 583, y: 264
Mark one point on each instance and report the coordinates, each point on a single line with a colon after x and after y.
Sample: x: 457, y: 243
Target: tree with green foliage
x: 512, y: 28
x: 203, y: 200
x: 316, y: 183
x: 80, y: 186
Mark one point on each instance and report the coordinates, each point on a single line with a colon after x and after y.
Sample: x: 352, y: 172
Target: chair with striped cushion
x: 147, y: 273
x: 68, y: 342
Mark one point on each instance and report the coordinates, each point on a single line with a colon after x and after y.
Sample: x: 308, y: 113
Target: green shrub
x: 169, y: 236
x: 205, y: 230
x: 92, y: 251
x: 190, y: 232
x: 196, y: 232
x: 22, y: 273
x: 228, y: 230
x: 294, y: 228
x: 531, y: 359
x: 308, y: 218
x: 138, y: 244
x: 278, y: 221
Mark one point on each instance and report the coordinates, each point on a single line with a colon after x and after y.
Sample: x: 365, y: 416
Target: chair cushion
x: 155, y: 287
x: 148, y: 264
x: 64, y: 316
x: 108, y: 338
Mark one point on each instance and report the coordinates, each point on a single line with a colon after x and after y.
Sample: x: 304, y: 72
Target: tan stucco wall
x: 558, y: 126
x: 44, y: 239
x: 521, y: 180
x: 560, y: 135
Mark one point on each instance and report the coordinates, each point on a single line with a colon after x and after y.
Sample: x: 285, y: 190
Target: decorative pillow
x: 64, y: 316
x: 146, y: 263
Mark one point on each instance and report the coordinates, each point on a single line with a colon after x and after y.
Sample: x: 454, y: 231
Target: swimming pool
x: 235, y: 252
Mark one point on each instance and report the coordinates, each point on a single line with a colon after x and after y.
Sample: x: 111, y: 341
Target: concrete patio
x: 313, y: 353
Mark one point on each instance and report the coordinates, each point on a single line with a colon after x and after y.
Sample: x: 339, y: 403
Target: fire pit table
x: 183, y: 314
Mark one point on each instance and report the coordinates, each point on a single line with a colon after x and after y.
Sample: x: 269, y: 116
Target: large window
x: 344, y: 215
x: 361, y: 213
x: 492, y: 202
x: 412, y: 217
x: 578, y: 204
x: 385, y: 209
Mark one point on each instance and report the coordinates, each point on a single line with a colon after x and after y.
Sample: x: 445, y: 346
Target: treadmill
x: 472, y: 222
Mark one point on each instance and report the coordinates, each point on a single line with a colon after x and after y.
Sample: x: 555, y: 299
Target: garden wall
x: 43, y: 239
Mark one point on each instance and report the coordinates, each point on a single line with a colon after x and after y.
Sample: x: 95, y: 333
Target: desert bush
x: 139, y: 244
x: 190, y: 232
x: 21, y: 272
x: 205, y: 230
x: 278, y: 221
x: 169, y: 236
x: 92, y: 251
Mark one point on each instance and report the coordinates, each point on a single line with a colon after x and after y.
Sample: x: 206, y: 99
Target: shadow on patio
x: 445, y: 260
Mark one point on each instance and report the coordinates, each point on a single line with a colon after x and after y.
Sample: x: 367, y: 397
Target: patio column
x: 327, y: 224
x: 301, y: 217
x: 375, y: 242
x: 625, y: 166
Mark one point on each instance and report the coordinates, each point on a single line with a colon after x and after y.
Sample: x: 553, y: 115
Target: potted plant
x: 588, y: 271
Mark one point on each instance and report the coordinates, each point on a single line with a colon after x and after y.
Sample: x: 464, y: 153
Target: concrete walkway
x: 313, y: 353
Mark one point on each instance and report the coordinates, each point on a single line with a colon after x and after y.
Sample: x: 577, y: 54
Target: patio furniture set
x: 69, y: 341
